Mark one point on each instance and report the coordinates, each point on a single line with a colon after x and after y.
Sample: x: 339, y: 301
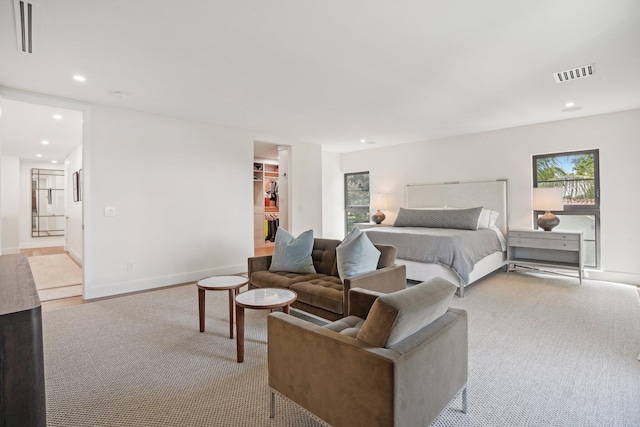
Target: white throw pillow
x: 292, y: 254
x: 356, y: 255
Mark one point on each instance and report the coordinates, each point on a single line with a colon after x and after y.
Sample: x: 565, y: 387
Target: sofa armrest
x: 360, y: 301
x: 307, y: 364
x: 258, y: 263
x: 385, y: 280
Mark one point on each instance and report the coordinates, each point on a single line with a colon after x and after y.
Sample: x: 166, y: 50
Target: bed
x: 459, y: 254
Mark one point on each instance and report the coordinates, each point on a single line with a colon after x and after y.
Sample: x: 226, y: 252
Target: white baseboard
x: 111, y: 289
x: 613, y: 276
x: 10, y: 251
x: 44, y: 244
x: 76, y: 257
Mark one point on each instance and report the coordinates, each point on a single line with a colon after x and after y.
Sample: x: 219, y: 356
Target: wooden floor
x: 70, y: 302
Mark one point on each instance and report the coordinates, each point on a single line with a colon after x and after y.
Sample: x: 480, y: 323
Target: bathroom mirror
x: 47, y: 202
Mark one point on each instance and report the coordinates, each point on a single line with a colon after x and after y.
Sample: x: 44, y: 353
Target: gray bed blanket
x: 456, y: 249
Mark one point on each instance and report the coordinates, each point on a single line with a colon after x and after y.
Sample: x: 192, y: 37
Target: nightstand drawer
x: 550, y: 235
x: 526, y: 242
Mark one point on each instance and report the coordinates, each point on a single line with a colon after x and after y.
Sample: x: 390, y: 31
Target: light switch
x: 109, y: 211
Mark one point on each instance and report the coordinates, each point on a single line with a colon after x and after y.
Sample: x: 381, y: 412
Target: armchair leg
x: 464, y: 400
x: 273, y: 405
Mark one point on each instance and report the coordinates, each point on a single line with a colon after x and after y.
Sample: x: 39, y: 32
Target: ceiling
x: 334, y: 72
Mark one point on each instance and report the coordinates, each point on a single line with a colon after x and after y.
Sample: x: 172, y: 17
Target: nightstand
x: 534, y: 249
x: 365, y: 225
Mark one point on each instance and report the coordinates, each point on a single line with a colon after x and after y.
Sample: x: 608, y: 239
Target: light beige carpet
x: 542, y: 352
x: 55, y: 271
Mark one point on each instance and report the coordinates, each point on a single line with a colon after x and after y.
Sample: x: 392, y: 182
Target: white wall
x: 10, y: 204
x: 508, y: 154
x: 183, y: 197
x: 73, y: 233
x: 333, y: 196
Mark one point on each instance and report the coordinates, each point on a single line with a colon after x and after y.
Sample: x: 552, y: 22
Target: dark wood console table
x: 22, y: 392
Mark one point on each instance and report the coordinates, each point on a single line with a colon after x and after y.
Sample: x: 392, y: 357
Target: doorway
x: 45, y: 136
x: 270, y: 194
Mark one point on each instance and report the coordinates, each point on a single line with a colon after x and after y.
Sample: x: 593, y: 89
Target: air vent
x: 575, y: 73
x: 25, y: 16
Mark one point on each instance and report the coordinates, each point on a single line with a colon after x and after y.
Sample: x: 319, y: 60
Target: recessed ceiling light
x: 363, y: 140
x: 54, y: 161
x: 45, y: 142
x: 57, y: 116
x: 38, y: 155
x: 120, y: 95
x: 569, y: 104
x: 79, y: 78
x: 572, y: 108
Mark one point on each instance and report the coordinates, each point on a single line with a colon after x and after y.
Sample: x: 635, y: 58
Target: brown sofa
x: 323, y: 293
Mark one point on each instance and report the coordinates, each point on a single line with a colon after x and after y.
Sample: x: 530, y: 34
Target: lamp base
x: 378, y: 217
x: 548, y: 221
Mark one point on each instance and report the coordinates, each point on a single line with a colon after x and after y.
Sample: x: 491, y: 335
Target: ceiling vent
x: 575, y: 73
x: 25, y: 12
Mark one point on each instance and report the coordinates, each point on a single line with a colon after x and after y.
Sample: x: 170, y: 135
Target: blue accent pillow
x: 292, y: 254
x: 356, y: 255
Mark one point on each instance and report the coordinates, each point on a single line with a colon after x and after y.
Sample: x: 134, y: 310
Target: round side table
x: 219, y: 283
x: 259, y: 299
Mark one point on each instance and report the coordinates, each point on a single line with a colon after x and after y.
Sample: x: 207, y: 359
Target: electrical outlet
x: 129, y: 266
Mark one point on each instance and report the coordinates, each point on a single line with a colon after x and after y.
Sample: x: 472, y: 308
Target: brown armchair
x: 397, y: 360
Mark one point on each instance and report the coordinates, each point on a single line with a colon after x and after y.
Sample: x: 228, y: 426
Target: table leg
x: 285, y: 309
x: 201, y: 300
x: 231, y: 304
x: 240, y: 333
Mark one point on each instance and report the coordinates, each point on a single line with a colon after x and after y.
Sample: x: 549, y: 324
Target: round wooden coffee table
x: 220, y: 283
x: 259, y: 299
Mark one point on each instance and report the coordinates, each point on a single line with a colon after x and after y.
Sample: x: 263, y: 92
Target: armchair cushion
x: 356, y: 255
x: 293, y: 254
x: 349, y: 326
x: 396, y: 316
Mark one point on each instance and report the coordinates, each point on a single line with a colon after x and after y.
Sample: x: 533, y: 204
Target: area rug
x: 542, y: 352
x: 54, y: 271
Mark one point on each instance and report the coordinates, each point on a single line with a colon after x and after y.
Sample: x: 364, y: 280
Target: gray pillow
x: 398, y: 315
x: 292, y: 254
x: 461, y: 219
x: 356, y: 255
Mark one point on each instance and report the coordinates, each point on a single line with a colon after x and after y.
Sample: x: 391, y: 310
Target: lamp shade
x: 548, y: 199
x: 379, y: 201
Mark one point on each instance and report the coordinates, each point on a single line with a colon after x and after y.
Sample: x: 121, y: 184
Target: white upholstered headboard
x: 488, y: 194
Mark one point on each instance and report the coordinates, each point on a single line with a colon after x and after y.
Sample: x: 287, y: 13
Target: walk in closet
x: 266, y: 203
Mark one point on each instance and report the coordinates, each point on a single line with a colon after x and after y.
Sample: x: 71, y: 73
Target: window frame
x: 354, y: 208
x: 590, y: 210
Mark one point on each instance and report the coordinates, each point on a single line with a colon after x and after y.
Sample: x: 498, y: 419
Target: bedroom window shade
x: 356, y: 199
x: 578, y: 174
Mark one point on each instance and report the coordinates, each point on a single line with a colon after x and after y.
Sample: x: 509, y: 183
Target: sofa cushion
x: 356, y: 255
x: 395, y: 316
x: 293, y: 254
x: 281, y: 279
x: 349, y: 326
x: 324, y: 256
x: 323, y: 292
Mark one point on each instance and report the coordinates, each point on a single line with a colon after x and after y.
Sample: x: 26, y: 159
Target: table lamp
x: 378, y: 201
x: 548, y: 199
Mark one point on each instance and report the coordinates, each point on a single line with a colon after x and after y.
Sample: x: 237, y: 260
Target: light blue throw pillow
x: 356, y: 255
x: 292, y: 254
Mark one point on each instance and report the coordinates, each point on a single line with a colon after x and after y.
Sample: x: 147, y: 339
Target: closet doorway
x: 270, y: 194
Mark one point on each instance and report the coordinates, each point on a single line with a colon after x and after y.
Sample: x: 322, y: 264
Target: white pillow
x: 487, y: 218
x: 356, y: 255
x: 292, y: 254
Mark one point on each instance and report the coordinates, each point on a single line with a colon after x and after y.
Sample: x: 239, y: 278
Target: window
x: 577, y: 173
x: 356, y: 198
